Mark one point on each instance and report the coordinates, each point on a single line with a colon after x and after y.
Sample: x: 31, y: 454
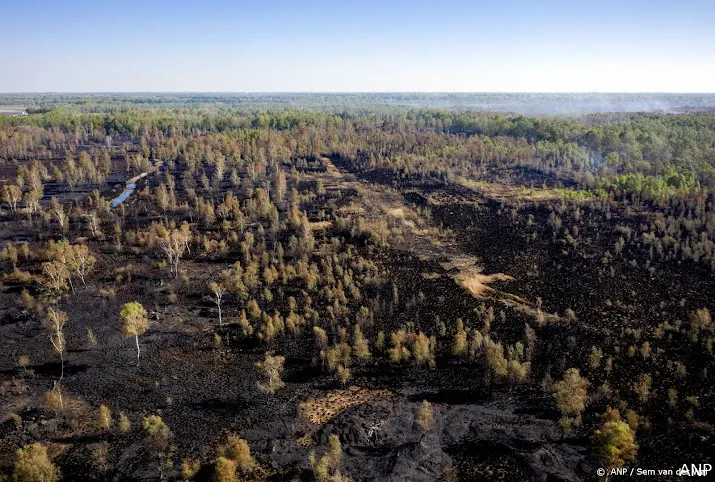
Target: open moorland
x: 197, y: 289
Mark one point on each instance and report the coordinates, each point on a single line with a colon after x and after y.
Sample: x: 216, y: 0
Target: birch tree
x: 279, y: 185
x: 271, y: 368
x: 570, y: 395
x: 218, y: 291
x: 80, y: 261
x: 94, y: 224
x: 55, y: 323
x: 11, y: 194
x: 32, y: 464
x: 32, y: 201
x: 58, y: 212
x: 158, y: 435
x: 174, y: 245
x: 56, y: 276
x: 134, y: 322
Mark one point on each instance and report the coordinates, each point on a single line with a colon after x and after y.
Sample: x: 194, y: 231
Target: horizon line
x: 336, y: 92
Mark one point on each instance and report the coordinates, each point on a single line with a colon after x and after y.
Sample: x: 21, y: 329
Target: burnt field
x: 344, y: 299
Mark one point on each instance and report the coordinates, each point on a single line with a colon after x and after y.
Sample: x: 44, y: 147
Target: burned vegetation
x: 197, y: 292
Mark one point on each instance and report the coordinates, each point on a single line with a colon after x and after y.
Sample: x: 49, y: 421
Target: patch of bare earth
x: 318, y: 411
x: 420, y: 236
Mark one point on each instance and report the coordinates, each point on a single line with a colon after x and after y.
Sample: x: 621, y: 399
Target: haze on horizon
x: 359, y: 46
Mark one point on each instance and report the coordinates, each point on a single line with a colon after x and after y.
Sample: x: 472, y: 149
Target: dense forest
x: 207, y: 287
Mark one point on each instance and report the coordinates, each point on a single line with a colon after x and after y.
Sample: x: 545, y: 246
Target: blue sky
x: 365, y: 46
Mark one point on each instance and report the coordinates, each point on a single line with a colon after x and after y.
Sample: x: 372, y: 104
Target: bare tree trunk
x: 56, y: 387
x: 136, y: 338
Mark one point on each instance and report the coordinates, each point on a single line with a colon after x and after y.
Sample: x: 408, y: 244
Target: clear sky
x: 365, y: 46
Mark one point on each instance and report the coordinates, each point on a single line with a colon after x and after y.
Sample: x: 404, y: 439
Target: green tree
x: 425, y: 416
x: 218, y: 291
x: 594, y: 359
x: 55, y: 324
x: 246, y: 327
x: 398, y: 352
x: 224, y: 470
x: 271, y: 368
x: 614, y: 444
x: 158, y: 436
x: 570, y: 397
x: 423, y: 350
x: 104, y: 421
x: 134, y: 323
x: 335, y: 452
x: 360, y: 346
x: 189, y: 468
x: 57, y: 211
x: 32, y: 464
x: 174, y: 244
x: 642, y: 387
x: 496, y: 361
x: 321, y: 338
x: 460, y: 345
x: 56, y: 276
x: 380, y: 341
x: 10, y: 253
x: 124, y: 424
x: 80, y: 261
x: 700, y: 319
x: 253, y: 309
x: 237, y: 449
x: 328, y: 468
x: 11, y: 194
